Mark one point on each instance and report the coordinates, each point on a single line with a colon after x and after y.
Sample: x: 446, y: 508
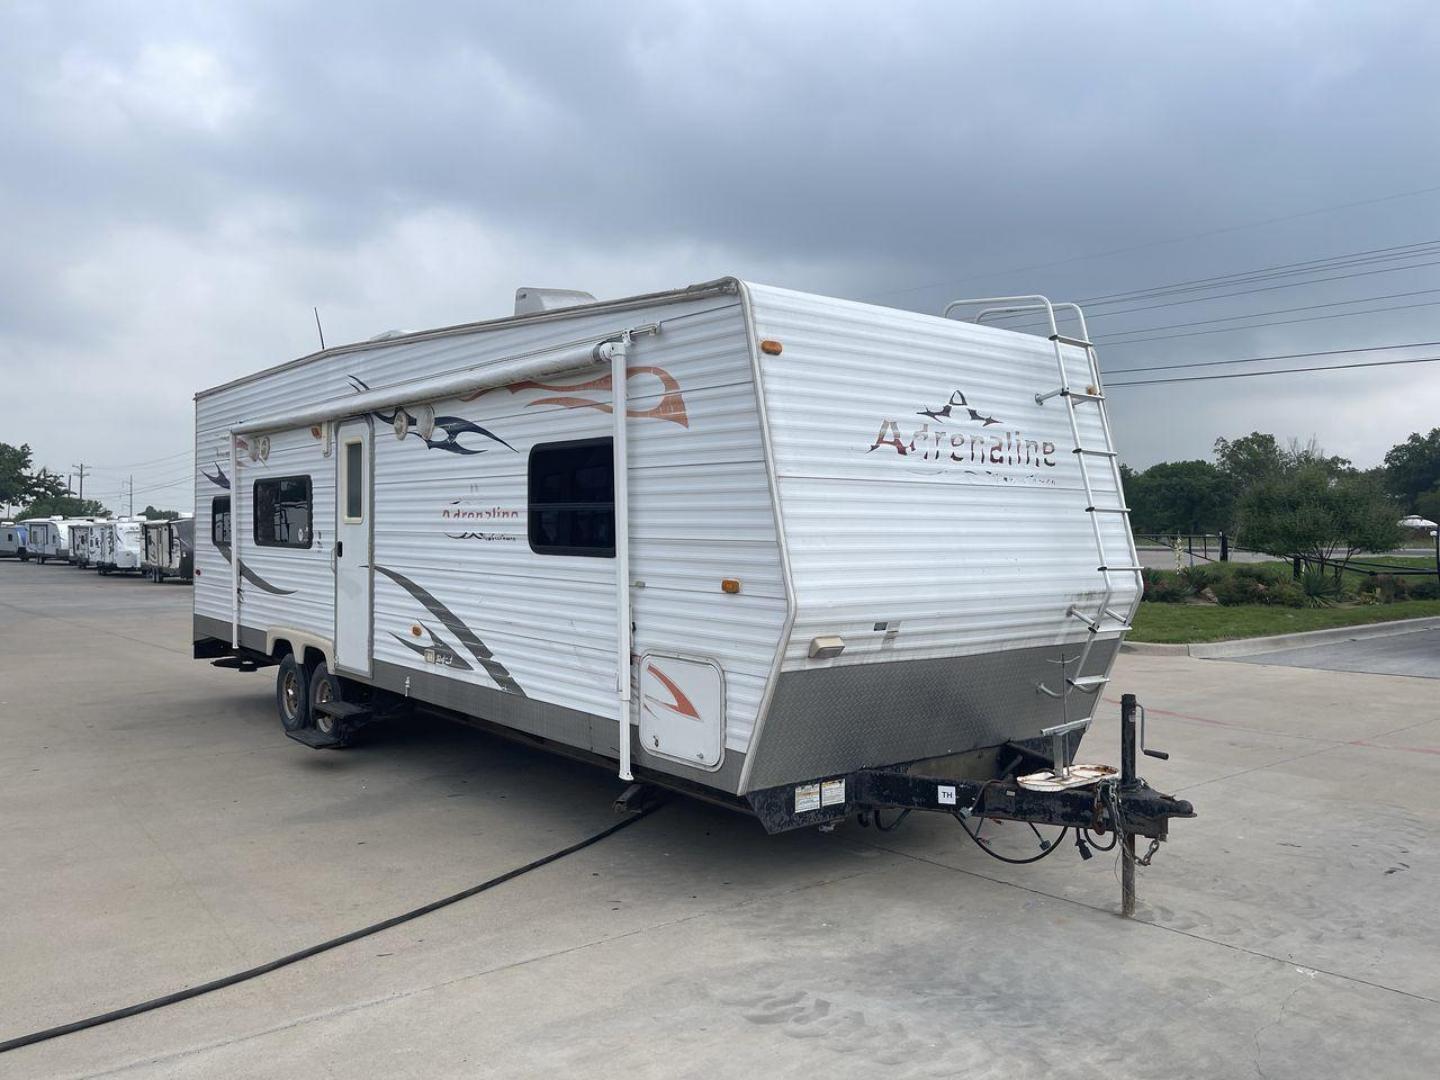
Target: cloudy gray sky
x: 180, y: 183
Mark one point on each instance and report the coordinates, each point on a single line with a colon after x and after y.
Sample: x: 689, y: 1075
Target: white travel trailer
x: 121, y: 546
x: 12, y: 540
x: 797, y: 539
x: 169, y: 549
x: 80, y: 543
x: 48, y: 538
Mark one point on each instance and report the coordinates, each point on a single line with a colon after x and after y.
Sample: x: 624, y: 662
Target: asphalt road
x: 1416, y: 654
x: 157, y: 831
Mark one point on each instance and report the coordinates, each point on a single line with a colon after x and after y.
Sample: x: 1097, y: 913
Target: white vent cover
x: 529, y: 301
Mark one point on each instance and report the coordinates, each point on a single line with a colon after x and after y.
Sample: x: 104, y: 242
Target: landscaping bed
x: 1188, y: 624
x: 1223, y: 601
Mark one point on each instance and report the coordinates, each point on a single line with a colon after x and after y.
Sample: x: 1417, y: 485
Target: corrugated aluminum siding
x: 701, y: 510
x: 967, y: 555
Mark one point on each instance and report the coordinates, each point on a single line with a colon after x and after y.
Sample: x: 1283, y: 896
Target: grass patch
x: 1188, y: 623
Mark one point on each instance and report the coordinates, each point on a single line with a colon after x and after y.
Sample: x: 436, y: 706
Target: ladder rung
x: 1076, y: 395
x: 1121, y: 569
x: 1096, y: 453
x: 1107, y: 509
x: 1063, y: 340
x: 1089, y: 682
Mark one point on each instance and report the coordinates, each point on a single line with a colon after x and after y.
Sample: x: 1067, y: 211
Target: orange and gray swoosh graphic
x: 682, y: 705
x: 671, y: 405
x: 254, y: 578
x: 463, y: 633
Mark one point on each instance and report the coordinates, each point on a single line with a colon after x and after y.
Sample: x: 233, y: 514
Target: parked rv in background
x: 122, y: 546
x: 85, y: 543
x: 12, y: 541
x: 169, y: 549
x: 47, y: 538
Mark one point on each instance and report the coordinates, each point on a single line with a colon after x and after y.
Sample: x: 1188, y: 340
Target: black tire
x: 292, y: 694
x: 324, y: 687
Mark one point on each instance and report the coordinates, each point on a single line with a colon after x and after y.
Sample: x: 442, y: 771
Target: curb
x: 1217, y: 650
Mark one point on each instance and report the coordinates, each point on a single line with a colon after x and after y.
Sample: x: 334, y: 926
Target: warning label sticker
x: 832, y: 793
x: 945, y: 795
x: 807, y: 797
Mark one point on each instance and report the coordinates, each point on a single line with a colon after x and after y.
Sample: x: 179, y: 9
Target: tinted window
x: 354, y: 480
x: 572, y: 498
x: 282, y: 512
x: 220, y: 521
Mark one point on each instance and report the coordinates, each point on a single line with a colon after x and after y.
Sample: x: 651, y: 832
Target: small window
x: 220, y: 521
x: 282, y: 512
x: 354, y: 480
x: 572, y: 498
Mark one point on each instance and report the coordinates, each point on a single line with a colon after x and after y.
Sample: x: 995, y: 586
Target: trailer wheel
x: 292, y: 694
x: 324, y: 687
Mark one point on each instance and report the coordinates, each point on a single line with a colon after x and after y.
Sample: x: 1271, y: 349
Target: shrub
x: 1285, y: 594
x: 1165, y: 587
x: 1265, y: 573
x: 1321, y: 589
x: 1388, y: 587
x: 1240, y: 589
x: 1424, y: 589
x: 1200, y: 577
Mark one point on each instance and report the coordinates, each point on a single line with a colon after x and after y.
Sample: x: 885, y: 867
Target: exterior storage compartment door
x: 354, y: 581
x: 682, y: 709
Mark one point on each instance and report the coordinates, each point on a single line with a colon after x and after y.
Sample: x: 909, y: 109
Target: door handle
x: 339, y: 549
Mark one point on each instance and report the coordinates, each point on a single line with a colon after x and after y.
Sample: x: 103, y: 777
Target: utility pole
x: 80, y: 469
x: 132, y: 496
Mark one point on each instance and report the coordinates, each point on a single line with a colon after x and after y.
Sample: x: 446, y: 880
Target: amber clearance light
x: 771, y: 347
x: 730, y: 585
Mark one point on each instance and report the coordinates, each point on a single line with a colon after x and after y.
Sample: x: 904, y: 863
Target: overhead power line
x: 1274, y: 322
x: 1274, y: 311
x: 1241, y: 227
x: 1092, y: 315
x: 1349, y: 258
x: 1276, y: 356
x: 1282, y: 371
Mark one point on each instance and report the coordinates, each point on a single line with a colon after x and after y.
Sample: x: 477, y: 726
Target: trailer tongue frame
x: 1123, y: 804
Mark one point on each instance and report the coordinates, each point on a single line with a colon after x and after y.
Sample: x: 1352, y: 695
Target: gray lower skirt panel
x: 836, y: 720
x: 584, y: 731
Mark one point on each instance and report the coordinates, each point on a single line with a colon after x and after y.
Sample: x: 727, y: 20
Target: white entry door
x: 351, y: 556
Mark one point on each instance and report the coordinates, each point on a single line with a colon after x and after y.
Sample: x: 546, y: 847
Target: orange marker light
x: 771, y: 347
x: 415, y: 630
x: 730, y: 585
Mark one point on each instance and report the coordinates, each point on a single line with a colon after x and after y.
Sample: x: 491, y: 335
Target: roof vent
x: 533, y: 301
x: 387, y: 335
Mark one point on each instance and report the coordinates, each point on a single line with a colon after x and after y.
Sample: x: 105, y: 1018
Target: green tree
x: 17, y: 483
x: 1310, y: 511
x: 63, y: 506
x: 1413, y: 467
x: 159, y: 515
x: 1179, y: 497
x: 1249, y: 459
x: 1428, y: 504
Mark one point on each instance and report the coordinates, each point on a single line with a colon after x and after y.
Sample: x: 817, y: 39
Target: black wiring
x: 1054, y: 846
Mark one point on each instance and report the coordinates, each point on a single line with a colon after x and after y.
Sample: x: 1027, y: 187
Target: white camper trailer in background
x: 732, y: 539
x: 169, y: 549
x: 80, y: 543
x: 12, y: 540
x: 121, y: 545
x: 48, y: 538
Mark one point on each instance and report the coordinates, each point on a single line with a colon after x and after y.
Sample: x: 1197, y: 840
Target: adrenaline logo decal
x: 1005, y: 455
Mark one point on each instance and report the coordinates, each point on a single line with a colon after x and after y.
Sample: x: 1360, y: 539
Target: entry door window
x: 354, y: 467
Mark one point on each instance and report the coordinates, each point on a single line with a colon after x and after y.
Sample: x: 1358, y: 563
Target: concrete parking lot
x: 156, y: 830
